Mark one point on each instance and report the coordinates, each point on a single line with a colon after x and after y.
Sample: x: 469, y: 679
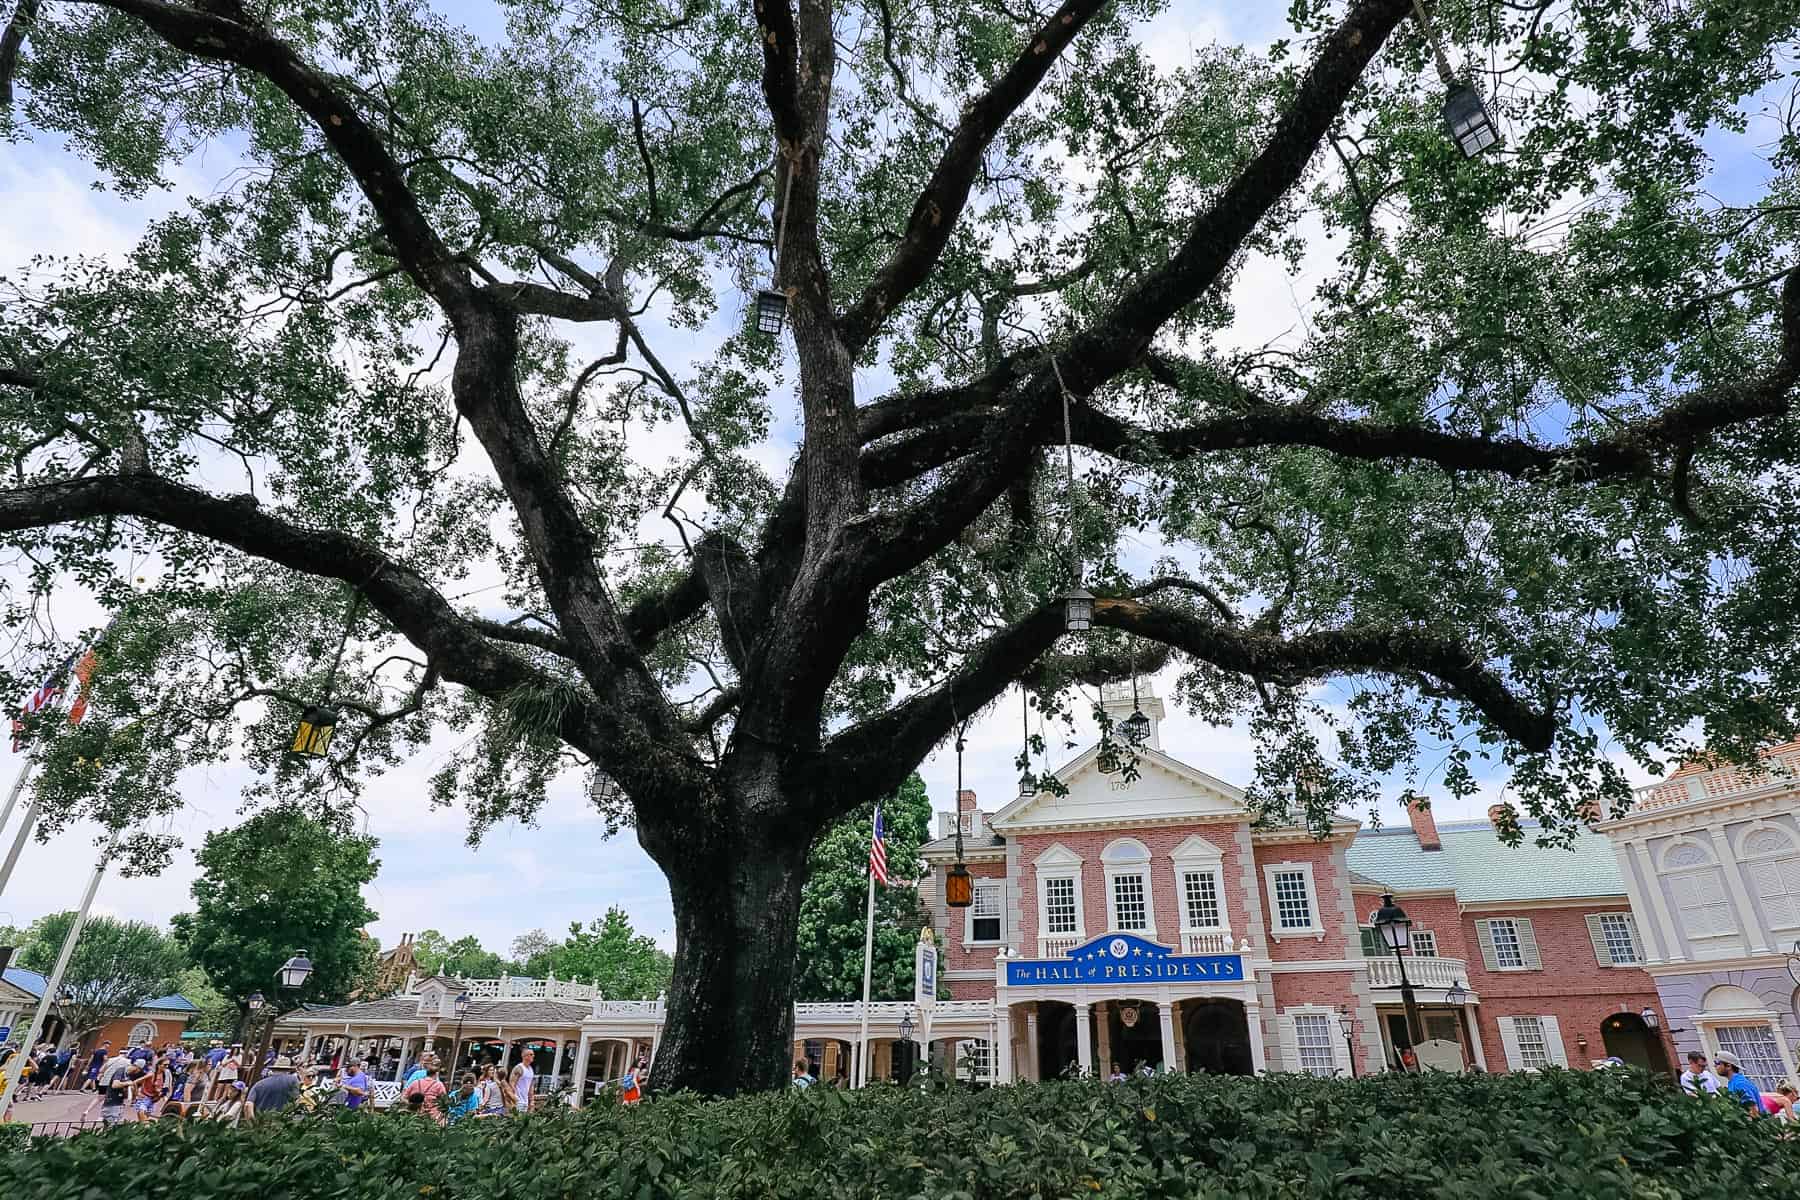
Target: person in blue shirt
x: 1738, y: 1086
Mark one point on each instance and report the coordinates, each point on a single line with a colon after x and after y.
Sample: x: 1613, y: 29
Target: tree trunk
x: 730, y: 1024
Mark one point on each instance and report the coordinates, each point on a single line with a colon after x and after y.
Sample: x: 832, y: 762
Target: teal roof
x: 1481, y: 867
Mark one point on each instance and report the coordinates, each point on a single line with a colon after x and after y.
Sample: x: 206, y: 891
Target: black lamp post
x: 462, y: 1010
x: 291, y: 977
x: 1347, y: 1023
x: 1395, y: 928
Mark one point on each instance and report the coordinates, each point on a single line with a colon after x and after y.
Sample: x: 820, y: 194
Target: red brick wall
x: 1439, y: 914
x: 1573, y: 987
x: 119, y: 1032
x: 1329, y: 873
x: 957, y: 957
x: 1164, y: 895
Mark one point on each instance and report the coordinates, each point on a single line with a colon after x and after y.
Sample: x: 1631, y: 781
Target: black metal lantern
x: 1456, y: 997
x: 1648, y: 1017
x: 1135, y: 728
x: 1078, y: 610
x: 1467, y: 118
x: 254, y: 1002
x: 1391, y: 921
x: 313, y: 737
x: 906, y: 1026
x: 771, y: 311
x: 295, y: 971
x: 462, y: 1005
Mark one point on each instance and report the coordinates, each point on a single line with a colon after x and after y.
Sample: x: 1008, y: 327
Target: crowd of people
x: 1725, y: 1077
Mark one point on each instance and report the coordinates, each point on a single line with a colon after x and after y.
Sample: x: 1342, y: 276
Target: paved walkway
x: 56, y: 1107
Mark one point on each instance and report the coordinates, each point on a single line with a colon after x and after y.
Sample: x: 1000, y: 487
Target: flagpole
x: 12, y: 797
x: 54, y: 984
x: 18, y: 846
x: 868, y: 963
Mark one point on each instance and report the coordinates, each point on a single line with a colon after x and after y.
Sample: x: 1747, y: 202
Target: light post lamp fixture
x: 462, y: 1010
x: 1648, y: 1017
x: 255, y: 1002
x: 1347, y: 1023
x: 1455, y: 996
x: 1466, y: 115
x: 1136, y: 727
x: 291, y: 976
x: 906, y: 1026
x: 1395, y: 927
x: 1078, y: 610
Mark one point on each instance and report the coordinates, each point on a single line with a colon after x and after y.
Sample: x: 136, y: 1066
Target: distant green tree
x: 533, y: 952
x: 829, y: 956
x: 282, y: 881
x: 465, y: 957
x: 625, y: 964
x: 217, y: 1014
x: 117, y: 965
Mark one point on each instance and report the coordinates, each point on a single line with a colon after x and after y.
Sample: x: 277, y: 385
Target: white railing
x: 627, y: 1008
x: 1055, y: 945
x: 1420, y: 972
x: 949, y: 1010
x: 1783, y: 766
x: 511, y: 987
x: 1208, y: 943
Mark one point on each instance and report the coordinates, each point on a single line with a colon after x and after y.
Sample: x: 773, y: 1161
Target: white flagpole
x: 12, y: 797
x: 868, y: 964
x: 53, y: 985
x: 25, y: 824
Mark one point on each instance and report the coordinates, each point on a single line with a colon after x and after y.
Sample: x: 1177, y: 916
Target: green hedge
x: 1597, y: 1136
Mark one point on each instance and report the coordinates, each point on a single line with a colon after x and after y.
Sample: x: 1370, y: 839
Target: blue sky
x: 559, y: 870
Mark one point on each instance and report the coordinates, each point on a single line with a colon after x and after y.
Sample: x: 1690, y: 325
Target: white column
x: 1003, y: 1066
x: 1649, y: 932
x: 581, y: 1061
x: 1165, y: 1015
x: 1253, y: 1018
x: 1034, y: 1069
x: 556, y: 1058
x: 1084, y: 1040
x: 1670, y: 937
x: 1470, y: 1014
x: 1740, y: 896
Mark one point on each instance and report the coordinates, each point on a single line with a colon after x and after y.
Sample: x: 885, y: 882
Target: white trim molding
x: 1278, y: 931
x: 1122, y: 858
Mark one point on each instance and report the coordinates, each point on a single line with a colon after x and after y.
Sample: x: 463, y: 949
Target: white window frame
x: 1122, y: 857
x: 1603, y: 948
x: 1288, y: 1027
x: 1197, y: 856
x: 1555, y: 1054
x: 1723, y: 1011
x: 1524, y: 932
x: 1059, y: 862
x: 1767, y: 1021
x: 1709, y: 865
x: 1430, y: 937
x: 1044, y: 882
x: 1752, y: 862
x: 981, y: 885
x: 1277, y: 931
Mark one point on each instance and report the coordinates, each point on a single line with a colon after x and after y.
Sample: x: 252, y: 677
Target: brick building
x: 1141, y: 921
x: 154, y: 1022
x: 1711, y: 858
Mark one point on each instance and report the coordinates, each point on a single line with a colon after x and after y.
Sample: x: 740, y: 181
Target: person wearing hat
x: 1738, y: 1086
x: 1697, y: 1080
x: 274, y: 1091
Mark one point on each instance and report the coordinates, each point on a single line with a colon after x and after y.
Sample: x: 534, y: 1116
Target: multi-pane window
x: 1293, y: 904
x: 1755, y: 1047
x: 1200, y: 889
x: 1618, y: 937
x: 1534, y: 1048
x: 1507, y: 950
x: 1129, y: 908
x: 972, y: 1060
x: 1313, y: 1034
x: 1059, y: 905
x: 1424, y: 943
x: 1372, y: 945
x: 1774, y: 872
x: 984, y: 914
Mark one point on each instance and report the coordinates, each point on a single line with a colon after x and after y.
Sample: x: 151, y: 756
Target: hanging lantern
x: 959, y: 886
x: 1078, y: 610
x: 317, y: 724
x: 1467, y: 118
x: 771, y: 312
x: 1027, y: 781
x: 1028, y: 784
x: 1135, y: 728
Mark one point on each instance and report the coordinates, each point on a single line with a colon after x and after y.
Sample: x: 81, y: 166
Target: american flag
x: 878, y: 851
x: 41, y: 698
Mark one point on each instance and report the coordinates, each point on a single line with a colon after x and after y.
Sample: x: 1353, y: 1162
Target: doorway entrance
x: 1056, y: 1039
x: 1625, y: 1036
x: 1134, y: 1036
x: 1217, y: 1036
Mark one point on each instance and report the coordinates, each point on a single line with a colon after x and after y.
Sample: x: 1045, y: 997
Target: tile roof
x: 481, y: 1012
x: 945, y: 845
x: 1480, y: 867
x: 171, y: 1003
x: 30, y: 981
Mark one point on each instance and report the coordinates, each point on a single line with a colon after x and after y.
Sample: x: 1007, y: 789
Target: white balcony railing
x: 1055, y: 945
x: 1208, y: 943
x: 518, y: 987
x: 1420, y: 972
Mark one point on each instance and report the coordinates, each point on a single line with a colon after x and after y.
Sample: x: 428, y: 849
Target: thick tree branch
x: 939, y: 206
x: 10, y: 43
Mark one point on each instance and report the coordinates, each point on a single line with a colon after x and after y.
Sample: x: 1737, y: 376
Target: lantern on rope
x: 1078, y: 610
x: 1135, y: 729
x: 772, y: 302
x: 313, y: 738
x: 959, y: 887
x: 1027, y: 781
x: 1466, y: 116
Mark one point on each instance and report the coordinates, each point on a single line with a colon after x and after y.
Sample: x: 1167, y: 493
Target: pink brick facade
x: 1305, y: 979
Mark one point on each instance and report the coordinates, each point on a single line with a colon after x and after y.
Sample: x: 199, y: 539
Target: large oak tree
x: 452, y: 369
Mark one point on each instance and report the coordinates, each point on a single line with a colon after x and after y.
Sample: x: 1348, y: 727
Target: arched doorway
x: 1626, y: 1037
x: 1134, y: 1036
x: 1056, y: 1039
x: 1217, y: 1035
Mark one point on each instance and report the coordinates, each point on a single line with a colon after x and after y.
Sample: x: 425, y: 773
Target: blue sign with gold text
x: 1123, y: 957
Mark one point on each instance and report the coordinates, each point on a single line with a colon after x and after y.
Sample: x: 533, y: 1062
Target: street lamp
x: 959, y: 888
x: 906, y: 1026
x: 462, y: 1010
x: 1648, y: 1017
x: 291, y: 976
x: 1347, y: 1023
x: 1467, y: 118
x: 255, y: 1002
x: 771, y: 312
x: 1456, y: 997
x: 1395, y: 928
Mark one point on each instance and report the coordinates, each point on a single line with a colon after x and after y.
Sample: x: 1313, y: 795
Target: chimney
x: 965, y: 801
x: 967, y: 814
x: 1591, y: 811
x: 1499, y: 814
x: 1418, y: 810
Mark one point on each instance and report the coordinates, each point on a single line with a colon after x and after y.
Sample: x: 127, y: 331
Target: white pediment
x: 1058, y: 855
x: 1197, y: 849
x: 1165, y: 789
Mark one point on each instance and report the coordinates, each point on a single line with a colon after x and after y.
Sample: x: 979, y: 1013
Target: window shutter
x: 1340, y: 1047
x: 1509, y: 1042
x: 1485, y: 936
x: 1553, y: 1041
x: 1290, y: 1043
x: 1602, y: 955
x: 1528, y: 945
x: 1637, y: 941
